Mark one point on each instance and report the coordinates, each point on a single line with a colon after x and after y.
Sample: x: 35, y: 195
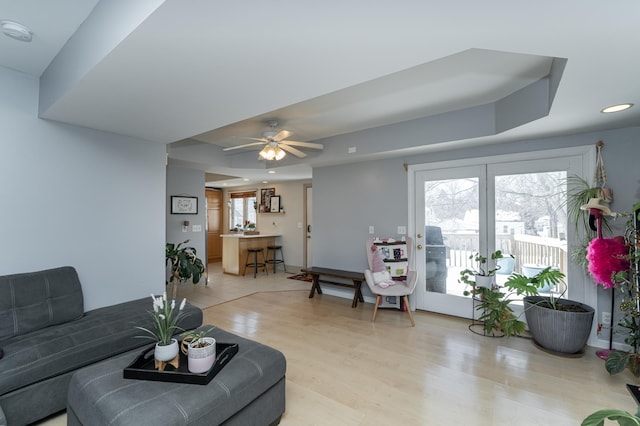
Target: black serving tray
x: 143, y: 368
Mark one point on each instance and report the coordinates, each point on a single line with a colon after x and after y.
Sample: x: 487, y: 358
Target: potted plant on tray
x: 166, y: 319
x: 185, y: 264
x: 199, y: 349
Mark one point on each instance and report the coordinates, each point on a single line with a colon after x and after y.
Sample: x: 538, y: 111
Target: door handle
x: 419, y: 235
x: 419, y: 246
x: 308, y: 228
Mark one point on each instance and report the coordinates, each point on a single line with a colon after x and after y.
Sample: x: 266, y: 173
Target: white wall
x: 74, y: 196
x: 189, y: 182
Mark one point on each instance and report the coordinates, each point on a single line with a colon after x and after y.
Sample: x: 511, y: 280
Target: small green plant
x: 166, y: 319
x: 193, y: 336
x: 481, y: 268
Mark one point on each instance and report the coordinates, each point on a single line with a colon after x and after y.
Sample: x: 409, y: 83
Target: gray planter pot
x: 558, y: 331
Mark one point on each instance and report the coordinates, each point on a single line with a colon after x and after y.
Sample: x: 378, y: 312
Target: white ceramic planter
x: 486, y: 281
x: 166, y: 352
x: 200, y: 360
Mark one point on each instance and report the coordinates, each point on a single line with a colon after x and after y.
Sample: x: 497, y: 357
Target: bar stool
x: 274, y: 260
x: 255, y: 265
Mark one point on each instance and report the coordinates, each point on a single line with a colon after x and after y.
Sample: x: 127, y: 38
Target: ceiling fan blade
x: 243, y: 146
x: 257, y: 139
x: 304, y: 144
x: 282, y: 135
x: 292, y: 150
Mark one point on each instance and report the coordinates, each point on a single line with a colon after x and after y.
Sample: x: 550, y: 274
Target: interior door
x: 214, y: 224
x: 450, y: 205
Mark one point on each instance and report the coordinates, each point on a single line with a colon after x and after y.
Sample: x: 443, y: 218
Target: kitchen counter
x: 241, y: 235
x: 234, y: 249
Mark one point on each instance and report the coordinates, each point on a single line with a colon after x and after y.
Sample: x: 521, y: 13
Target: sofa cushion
x: 99, y: 334
x: 34, y: 300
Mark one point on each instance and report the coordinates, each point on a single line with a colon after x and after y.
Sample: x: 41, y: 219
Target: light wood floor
x: 344, y: 370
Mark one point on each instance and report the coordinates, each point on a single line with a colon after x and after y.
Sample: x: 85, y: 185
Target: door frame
x: 305, y: 240
x: 584, y: 292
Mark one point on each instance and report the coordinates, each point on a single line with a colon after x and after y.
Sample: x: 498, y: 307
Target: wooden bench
x: 356, y: 281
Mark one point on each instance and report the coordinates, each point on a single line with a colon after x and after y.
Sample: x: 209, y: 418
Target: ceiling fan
x: 276, y: 143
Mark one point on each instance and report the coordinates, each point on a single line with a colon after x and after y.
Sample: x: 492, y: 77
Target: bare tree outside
x: 530, y: 219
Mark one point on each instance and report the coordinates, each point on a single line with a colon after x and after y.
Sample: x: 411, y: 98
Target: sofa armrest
x: 3, y: 419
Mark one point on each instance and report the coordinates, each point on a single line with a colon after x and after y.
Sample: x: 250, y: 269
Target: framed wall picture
x: 265, y: 198
x: 275, y: 203
x: 184, y: 205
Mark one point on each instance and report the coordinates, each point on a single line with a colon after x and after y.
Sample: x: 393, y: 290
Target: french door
x: 508, y: 203
x: 448, y: 204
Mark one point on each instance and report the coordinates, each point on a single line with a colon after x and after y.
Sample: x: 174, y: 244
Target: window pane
x: 236, y: 217
x: 451, y: 231
x: 251, y: 209
x: 531, y: 222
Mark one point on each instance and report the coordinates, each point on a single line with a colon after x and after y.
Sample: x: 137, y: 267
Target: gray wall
x: 349, y: 198
x: 187, y: 182
x: 74, y: 196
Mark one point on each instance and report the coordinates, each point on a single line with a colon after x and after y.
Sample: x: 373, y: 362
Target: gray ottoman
x: 249, y: 390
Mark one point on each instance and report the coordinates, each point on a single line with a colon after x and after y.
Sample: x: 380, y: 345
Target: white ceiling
x: 207, y: 75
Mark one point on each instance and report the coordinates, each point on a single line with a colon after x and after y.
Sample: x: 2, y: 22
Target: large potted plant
x: 185, y: 264
x: 559, y: 326
x: 494, y: 304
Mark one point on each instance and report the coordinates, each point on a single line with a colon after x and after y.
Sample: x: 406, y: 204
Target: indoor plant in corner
x: 166, y: 319
x: 185, y: 264
x: 559, y: 326
x: 628, y: 282
x: 494, y: 305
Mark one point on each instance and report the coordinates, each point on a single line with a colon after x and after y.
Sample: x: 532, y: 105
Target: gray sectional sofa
x: 46, y: 336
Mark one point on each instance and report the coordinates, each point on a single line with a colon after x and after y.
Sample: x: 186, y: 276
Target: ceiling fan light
x: 279, y: 153
x: 268, y: 153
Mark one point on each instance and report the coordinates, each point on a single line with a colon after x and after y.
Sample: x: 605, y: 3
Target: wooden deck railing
x: 527, y: 250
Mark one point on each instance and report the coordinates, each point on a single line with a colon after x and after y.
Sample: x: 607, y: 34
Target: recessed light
x: 265, y: 181
x: 616, y: 108
x: 271, y: 172
x: 246, y: 179
x: 16, y: 31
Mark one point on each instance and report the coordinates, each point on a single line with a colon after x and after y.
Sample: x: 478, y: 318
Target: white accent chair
x: 402, y: 288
